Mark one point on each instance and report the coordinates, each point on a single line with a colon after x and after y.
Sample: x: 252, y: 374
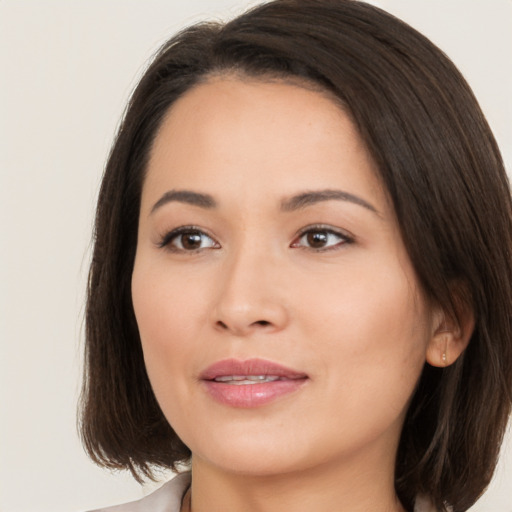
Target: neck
x: 329, y: 487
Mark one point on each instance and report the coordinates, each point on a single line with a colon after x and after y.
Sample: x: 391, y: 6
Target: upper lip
x: 228, y: 367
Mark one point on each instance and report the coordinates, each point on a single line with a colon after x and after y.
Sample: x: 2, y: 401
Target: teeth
x: 246, y: 379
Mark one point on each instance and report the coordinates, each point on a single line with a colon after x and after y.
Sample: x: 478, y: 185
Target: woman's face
x: 281, y: 320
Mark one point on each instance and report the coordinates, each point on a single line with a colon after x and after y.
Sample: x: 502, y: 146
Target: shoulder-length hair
x: 442, y: 169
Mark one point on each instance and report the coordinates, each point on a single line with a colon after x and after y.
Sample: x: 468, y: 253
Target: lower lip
x: 252, y: 395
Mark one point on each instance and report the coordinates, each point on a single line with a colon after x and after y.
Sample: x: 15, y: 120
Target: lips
x: 250, y: 383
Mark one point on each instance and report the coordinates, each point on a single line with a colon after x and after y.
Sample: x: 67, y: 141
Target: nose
x: 251, y: 296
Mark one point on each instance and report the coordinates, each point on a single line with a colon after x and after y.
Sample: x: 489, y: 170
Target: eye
x: 188, y: 239
x: 321, y: 238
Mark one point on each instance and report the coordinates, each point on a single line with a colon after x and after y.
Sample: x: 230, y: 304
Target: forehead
x: 252, y: 135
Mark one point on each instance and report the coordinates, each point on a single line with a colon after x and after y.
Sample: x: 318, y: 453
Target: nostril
x: 242, y: 327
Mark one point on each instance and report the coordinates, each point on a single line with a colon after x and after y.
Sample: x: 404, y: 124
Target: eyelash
x: 168, y: 238
x: 344, y: 237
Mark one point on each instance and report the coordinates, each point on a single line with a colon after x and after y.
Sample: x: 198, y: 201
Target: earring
x: 444, y: 358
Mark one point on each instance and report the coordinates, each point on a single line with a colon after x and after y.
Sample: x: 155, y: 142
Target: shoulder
x: 165, y: 499
x: 168, y: 499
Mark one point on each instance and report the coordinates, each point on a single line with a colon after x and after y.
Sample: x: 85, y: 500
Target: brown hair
x: 441, y: 166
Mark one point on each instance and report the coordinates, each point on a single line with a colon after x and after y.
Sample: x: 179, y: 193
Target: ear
x: 450, y: 335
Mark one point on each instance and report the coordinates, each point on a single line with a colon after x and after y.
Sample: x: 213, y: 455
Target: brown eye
x: 317, y: 239
x: 321, y: 239
x: 186, y: 239
x: 190, y: 241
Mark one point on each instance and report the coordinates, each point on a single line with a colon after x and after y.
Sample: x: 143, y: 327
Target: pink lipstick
x: 250, y: 383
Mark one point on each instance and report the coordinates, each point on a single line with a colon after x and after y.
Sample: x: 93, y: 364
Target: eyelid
x: 168, y: 236
x: 347, y: 237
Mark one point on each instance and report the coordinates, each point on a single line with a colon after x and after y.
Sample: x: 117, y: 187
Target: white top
x: 168, y: 499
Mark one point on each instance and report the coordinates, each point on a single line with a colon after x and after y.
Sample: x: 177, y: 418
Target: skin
x: 349, y: 314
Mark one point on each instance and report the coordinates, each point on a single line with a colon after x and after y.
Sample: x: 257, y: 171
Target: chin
x: 259, y: 456
x: 255, y: 465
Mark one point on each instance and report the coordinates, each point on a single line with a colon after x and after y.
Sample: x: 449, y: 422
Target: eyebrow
x: 310, y: 198
x: 296, y: 202
x: 187, y: 197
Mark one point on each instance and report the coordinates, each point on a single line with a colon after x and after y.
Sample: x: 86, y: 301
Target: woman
x: 301, y: 276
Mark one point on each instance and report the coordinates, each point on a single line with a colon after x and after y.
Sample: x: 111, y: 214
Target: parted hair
x: 442, y: 169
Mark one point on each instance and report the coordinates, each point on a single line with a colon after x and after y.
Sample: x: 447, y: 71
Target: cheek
x: 371, y: 366
x: 167, y: 304
x: 168, y: 321
x: 372, y: 331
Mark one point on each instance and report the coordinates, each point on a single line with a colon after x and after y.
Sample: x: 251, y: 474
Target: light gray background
x: 66, y: 70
